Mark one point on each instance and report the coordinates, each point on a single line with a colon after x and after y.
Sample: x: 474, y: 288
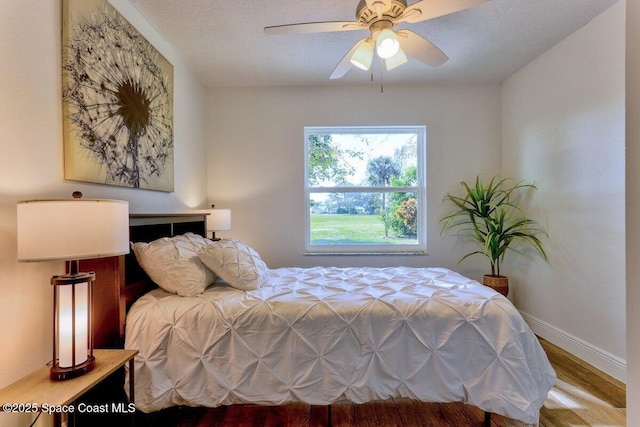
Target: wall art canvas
x: 117, y: 101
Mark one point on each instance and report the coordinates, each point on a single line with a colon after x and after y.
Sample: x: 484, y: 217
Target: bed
x: 320, y: 335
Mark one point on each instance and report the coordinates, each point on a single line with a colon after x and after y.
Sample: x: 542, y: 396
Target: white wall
x: 563, y: 128
x: 633, y: 212
x: 256, y: 158
x: 31, y: 166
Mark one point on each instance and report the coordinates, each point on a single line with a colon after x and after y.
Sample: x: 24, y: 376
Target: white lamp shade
x: 363, y: 56
x: 218, y: 219
x: 72, y: 229
x: 396, y: 60
x: 387, y: 44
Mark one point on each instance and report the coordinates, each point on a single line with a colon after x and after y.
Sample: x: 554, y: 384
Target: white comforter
x: 322, y: 335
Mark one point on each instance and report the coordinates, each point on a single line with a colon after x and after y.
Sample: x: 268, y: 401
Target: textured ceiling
x: 225, y: 45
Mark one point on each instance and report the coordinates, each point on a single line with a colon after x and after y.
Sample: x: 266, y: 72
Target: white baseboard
x: 595, y: 356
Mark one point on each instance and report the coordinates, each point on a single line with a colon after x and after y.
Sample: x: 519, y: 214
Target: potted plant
x: 490, y: 215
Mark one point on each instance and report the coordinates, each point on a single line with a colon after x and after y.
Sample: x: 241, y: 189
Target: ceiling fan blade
x: 429, y: 9
x: 420, y: 48
x: 345, y: 63
x: 314, y: 27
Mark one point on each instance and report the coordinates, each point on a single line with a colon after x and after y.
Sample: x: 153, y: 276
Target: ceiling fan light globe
x: 363, y: 56
x: 396, y: 60
x: 387, y: 44
x: 362, y: 65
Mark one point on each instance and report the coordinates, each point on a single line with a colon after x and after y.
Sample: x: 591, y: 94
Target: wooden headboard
x: 120, y: 281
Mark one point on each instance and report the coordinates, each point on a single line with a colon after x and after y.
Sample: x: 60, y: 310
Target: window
x: 365, y: 189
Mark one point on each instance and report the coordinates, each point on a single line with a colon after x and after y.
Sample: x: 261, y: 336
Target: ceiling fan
x: 380, y: 18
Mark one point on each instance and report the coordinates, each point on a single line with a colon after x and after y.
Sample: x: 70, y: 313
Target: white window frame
x: 420, y: 248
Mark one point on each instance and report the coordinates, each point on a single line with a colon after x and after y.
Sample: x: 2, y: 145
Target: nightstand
x: 36, y: 388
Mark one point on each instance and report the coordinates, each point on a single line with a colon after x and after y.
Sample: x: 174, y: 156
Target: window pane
x: 363, y: 218
x: 365, y: 189
x: 360, y: 159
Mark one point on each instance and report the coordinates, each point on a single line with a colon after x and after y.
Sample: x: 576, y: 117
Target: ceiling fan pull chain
x: 381, y: 75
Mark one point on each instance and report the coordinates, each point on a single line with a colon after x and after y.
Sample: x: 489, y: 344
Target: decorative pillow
x: 235, y: 263
x: 173, y: 263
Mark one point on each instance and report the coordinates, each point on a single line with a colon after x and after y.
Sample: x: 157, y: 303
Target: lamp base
x: 61, y: 374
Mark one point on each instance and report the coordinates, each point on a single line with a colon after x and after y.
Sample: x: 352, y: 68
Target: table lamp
x: 217, y: 220
x: 72, y: 230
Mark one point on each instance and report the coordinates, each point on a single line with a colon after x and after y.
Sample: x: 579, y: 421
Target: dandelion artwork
x: 117, y: 101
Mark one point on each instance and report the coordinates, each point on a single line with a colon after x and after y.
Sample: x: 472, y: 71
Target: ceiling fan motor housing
x: 367, y: 16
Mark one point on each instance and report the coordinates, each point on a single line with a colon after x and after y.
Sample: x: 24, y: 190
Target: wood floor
x: 581, y: 397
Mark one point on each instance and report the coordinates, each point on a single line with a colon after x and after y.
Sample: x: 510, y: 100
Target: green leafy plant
x: 490, y: 215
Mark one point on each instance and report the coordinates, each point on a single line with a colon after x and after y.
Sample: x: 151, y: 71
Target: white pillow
x: 235, y: 263
x: 173, y: 263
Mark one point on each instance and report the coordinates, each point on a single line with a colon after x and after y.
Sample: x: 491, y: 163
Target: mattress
x: 321, y: 335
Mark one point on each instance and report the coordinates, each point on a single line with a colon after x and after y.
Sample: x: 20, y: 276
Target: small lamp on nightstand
x: 71, y: 230
x: 217, y: 220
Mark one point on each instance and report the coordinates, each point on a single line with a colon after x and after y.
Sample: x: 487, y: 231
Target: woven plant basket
x: 499, y: 283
